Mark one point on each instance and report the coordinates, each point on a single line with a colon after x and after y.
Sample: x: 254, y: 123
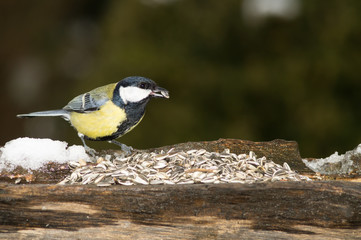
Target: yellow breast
x: 101, y: 123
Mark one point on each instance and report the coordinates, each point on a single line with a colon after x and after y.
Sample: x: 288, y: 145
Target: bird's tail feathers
x: 51, y: 113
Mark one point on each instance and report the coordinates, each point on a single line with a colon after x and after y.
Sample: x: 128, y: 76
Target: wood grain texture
x: 305, y: 210
x: 279, y: 151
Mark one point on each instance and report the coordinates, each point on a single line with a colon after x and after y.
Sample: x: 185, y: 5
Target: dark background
x: 281, y: 69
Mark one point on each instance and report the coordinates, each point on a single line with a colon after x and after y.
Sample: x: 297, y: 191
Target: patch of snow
x: 335, y: 164
x: 358, y: 149
x: 33, y: 153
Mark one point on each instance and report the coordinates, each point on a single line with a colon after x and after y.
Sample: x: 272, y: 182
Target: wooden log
x: 279, y: 151
x: 286, y: 210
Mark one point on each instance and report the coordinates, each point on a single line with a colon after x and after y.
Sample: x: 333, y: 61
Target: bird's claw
x: 90, y: 151
x: 126, y: 149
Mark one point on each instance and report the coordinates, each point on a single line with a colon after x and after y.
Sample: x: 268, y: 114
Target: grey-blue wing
x: 87, y: 102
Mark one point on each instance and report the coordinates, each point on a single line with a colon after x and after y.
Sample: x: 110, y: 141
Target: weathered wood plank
x: 307, y: 210
x: 279, y: 151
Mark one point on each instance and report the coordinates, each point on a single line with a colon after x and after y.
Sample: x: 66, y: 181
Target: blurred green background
x: 253, y: 69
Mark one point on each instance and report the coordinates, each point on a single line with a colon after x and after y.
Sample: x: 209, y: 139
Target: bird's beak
x: 160, y: 92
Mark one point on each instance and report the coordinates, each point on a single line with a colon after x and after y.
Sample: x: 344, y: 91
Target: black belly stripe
x: 134, y: 113
x: 123, y: 128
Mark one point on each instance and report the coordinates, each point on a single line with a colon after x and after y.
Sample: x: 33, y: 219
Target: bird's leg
x: 125, y: 148
x: 89, y: 150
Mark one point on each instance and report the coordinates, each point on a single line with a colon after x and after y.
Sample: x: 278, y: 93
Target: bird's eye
x: 144, y: 85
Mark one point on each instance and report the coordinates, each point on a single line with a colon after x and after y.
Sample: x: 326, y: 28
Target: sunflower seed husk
x: 180, y: 167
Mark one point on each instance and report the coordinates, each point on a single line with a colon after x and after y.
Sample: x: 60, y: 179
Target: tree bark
x: 305, y: 210
x: 279, y: 151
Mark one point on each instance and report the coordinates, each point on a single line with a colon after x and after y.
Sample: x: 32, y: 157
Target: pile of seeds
x: 193, y: 166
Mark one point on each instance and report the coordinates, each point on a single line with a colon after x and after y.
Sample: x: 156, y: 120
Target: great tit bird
x: 108, y: 112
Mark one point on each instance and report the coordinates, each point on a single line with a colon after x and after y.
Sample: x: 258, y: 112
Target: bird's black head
x: 137, y: 90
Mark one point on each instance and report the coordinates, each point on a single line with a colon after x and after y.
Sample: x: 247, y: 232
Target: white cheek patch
x: 133, y: 94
